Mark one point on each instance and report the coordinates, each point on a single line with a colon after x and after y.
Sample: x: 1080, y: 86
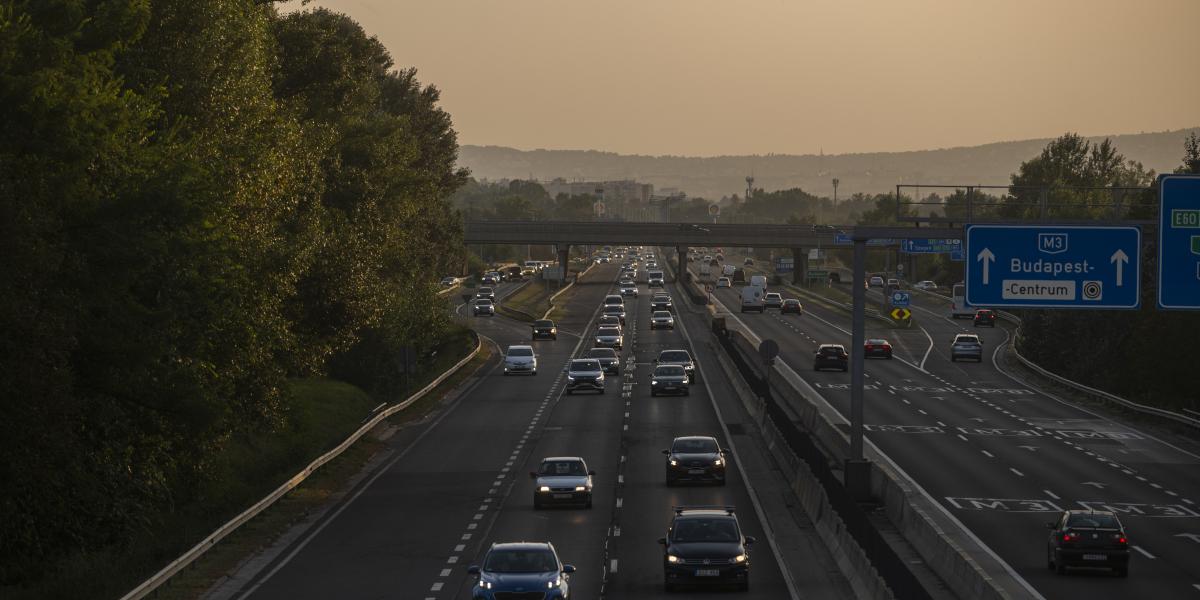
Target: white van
x: 759, y: 281
x: 959, y: 307
x: 728, y: 270
x: 752, y: 298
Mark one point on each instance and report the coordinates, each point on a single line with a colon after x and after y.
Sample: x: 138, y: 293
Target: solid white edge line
x: 908, y: 479
x: 927, y: 350
x: 1144, y: 553
x: 762, y: 518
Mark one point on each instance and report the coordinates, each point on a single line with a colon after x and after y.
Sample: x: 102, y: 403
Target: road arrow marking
x: 1195, y: 537
x: 1097, y: 484
x: 986, y: 257
x: 1119, y: 258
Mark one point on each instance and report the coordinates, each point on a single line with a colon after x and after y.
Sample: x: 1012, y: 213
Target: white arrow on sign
x: 1097, y: 484
x: 1119, y: 258
x: 986, y: 257
x: 1195, y: 537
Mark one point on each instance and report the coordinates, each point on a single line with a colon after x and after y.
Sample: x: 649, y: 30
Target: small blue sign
x: 784, y: 264
x: 841, y: 238
x: 1053, y: 266
x: 930, y: 246
x: 901, y: 299
x: 1179, y: 242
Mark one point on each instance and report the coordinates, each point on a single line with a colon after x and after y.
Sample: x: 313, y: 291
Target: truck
x: 759, y: 281
x: 752, y: 299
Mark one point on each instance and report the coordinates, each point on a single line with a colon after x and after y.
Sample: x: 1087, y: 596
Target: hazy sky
x: 712, y: 77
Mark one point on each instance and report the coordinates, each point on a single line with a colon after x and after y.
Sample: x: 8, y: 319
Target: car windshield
x: 562, y: 467
x: 609, y: 331
x: 520, y: 561
x: 613, y: 300
x: 773, y: 295
x: 1092, y: 521
x: 613, y: 308
x: 609, y: 320
x: 966, y: 339
x: 669, y: 371
x: 791, y: 302
x: 705, y: 530
x: 602, y: 353
x: 483, y: 302
x: 520, y: 352
x: 694, y: 446
x: 543, y: 323
x: 585, y: 365
x: 831, y: 350
x: 662, y: 314
x: 674, y: 356
x: 877, y: 342
x: 485, y: 290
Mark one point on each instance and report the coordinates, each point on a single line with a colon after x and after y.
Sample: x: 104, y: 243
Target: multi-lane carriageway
x: 451, y: 486
x: 1003, y: 457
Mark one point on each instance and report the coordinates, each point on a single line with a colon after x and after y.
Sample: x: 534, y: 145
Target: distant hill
x: 714, y: 177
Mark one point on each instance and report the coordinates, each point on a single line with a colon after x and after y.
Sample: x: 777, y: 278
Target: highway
x: 1003, y: 458
x: 448, y: 488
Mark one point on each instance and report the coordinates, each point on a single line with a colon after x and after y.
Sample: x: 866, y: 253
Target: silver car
x: 669, y: 379
x: 520, y: 359
x: 966, y: 345
x: 661, y: 319
x: 585, y: 374
x: 483, y: 306
x: 609, y: 337
x: 486, y: 292
x: 629, y: 289
x: 615, y: 310
x: 562, y: 480
x: 609, y: 321
x: 678, y: 357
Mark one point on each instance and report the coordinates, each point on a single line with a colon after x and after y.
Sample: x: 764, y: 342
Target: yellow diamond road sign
x: 901, y: 314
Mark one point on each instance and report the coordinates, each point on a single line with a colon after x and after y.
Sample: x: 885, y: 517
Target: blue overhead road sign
x: 1053, y: 267
x: 901, y: 299
x: 930, y: 246
x: 1179, y: 242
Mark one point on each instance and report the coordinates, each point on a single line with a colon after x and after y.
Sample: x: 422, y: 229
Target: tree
x: 1191, y: 155
x: 1072, y: 162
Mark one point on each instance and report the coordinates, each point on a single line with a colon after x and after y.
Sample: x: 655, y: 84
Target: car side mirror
x: 473, y: 569
x: 532, y: 475
x: 749, y: 540
x: 666, y: 452
x: 726, y: 453
x: 662, y: 541
x: 592, y: 472
x: 568, y: 569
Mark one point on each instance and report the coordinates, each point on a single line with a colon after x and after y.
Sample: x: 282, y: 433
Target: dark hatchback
x: 696, y: 459
x: 985, y: 318
x: 1088, y: 538
x: 609, y: 361
x: 831, y: 356
x: 545, y: 329
x: 705, y: 546
x: 791, y: 305
x: 523, y: 570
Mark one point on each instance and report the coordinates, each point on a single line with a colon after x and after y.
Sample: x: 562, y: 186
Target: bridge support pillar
x: 681, y: 273
x: 564, y: 261
x: 799, y: 266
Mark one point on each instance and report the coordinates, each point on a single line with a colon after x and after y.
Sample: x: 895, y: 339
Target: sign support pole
x: 857, y: 475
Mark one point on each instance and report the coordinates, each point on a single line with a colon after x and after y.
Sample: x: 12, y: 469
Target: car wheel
x: 535, y: 373
x: 889, y: 356
x: 844, y: 369
x: 745, y: 585
x: 653, y: 393
x: 668, y: 586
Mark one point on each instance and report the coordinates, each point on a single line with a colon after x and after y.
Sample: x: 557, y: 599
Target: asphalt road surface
x: 459, y: 483
x: 1005, y: 458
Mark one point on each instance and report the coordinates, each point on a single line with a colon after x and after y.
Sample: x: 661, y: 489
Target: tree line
x: 198, y: 201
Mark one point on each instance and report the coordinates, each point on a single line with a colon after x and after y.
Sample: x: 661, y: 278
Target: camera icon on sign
x: 1093, y: 290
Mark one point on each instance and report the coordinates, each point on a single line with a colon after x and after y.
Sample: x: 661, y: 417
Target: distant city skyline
x: 682, y: 77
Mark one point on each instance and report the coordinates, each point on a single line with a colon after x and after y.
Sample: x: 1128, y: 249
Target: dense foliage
x: 198, y: 200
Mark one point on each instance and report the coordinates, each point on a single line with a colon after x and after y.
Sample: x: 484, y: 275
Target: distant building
x: 626, y: 190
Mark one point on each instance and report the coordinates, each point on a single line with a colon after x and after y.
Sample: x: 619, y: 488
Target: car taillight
x: 1067, y: 537
x: 1121, y: 539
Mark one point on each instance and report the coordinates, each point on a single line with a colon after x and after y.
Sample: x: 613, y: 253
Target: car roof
x: 562, y: 458
x: 674, y: 350
x: 774, y: 294
x: 792, y: 300
x: 831, y: 346
x: 523, y: 546
x: 968, y: 336
x: 873, y: 340
x: 606, y: 351
x: 520, y: 347
x: 694, y: 437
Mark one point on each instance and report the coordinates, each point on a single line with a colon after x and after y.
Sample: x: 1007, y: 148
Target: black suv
x: 831, y: 356
x: 660, y: 302
x: 695, y: 458
x: 1088, y: 538
x: 609, y: 361
x: 545, y: 328
x: 985, y: 318
x: 705, y: 545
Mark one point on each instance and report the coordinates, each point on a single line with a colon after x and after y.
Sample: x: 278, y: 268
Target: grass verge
x: 322, y: 413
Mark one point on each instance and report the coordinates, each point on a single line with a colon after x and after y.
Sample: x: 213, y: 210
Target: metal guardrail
x: 177, y: 565
x: 1079, y: 387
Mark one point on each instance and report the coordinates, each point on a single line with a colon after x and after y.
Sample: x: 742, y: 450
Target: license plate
x: 1095, y: 557
x: 695, y: 471
x: 708, y: 572
x: 561, y: 496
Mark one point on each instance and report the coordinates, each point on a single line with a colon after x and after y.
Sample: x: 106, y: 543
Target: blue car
x: 521, y: 570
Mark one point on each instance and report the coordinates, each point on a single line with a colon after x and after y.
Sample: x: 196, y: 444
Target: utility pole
x: 836, y: 181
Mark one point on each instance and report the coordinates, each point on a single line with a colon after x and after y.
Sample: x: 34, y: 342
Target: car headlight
x: 653, y: 382
x: 570, y: 378
x: 544, y: 488
x: 553, y: 583
x: 580, y: 488
x: 674, y: 462
x: 718, y: 462
x: 599, y: 341
x: 671, y: 558
x: 487, y: 585
x: 739, y: 558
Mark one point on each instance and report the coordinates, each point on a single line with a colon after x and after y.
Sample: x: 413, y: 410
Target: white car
x: 520, y: 359
x: 449, y: 282
x: 723, y: 282
x: 661, y: 319
x: 925, y: 285
x: 875, y: 281
x: 483, y: 306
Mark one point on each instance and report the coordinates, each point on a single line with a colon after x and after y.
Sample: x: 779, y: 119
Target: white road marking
x: 962, y: 437
x: 1051, y: 494
x: 460, y: 547
x: 620, y: 502
x: 1144, y: 553
x: 988, y: 454
x: 922, y: 412
x: 1019, y: 474
x: 612, y: 566
x: 444, y: 573
x: 437, y: 587
x: 466, y: 536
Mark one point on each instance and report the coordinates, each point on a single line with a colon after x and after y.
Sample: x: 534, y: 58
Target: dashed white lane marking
x: 1051, y: 494
x: 1019, y: 474
x: 466, y: 536
x: 922, y: 412
x: 1170, y: 493
x: 1144, y: 553
x: 941, y: 424
x: 612, y: 566
x: 906, y: 401
x: 452, y: 560
x: 437, y: 587
x: 1188, y: 501
x: 460, y: 547
x: 988, y: 454
x: 1156, y: 486
x: 620, y: 502
x: 473, y: 526
x: 962, y: 437
x: 478, y: 516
